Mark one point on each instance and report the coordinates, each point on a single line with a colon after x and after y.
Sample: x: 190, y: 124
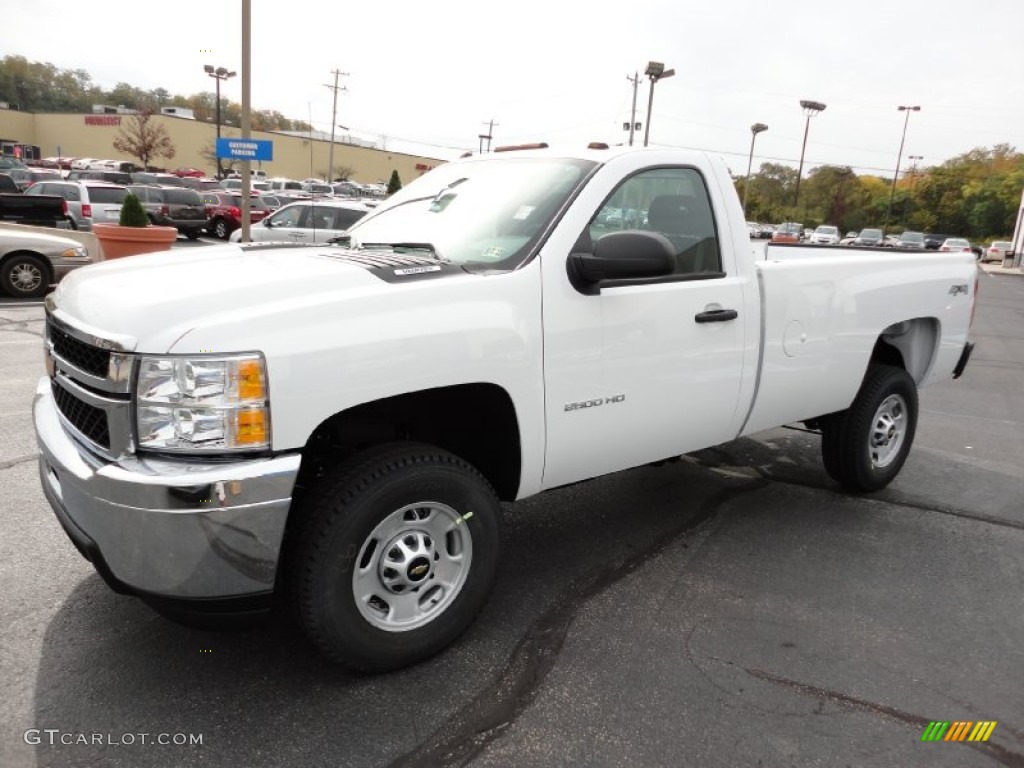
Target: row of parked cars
x: 215, y: 209
x: 826, y: 234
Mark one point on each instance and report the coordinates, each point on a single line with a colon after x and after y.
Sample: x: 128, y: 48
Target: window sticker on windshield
x: 524, y: 212
x: 493, y: 252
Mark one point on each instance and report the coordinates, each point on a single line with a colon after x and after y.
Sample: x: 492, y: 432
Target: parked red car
x: 183, y: 172
x: 224, y: 210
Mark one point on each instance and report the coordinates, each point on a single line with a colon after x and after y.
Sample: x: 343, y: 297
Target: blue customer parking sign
x: 245, y: 149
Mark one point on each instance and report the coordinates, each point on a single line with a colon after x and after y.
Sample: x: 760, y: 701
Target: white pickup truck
x: 337, y: 423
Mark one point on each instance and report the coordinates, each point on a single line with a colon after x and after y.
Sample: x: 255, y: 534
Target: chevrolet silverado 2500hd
x: 337, y: 423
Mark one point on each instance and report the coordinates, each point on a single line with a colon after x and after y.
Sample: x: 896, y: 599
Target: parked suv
x: 933, y: 241
x: 911, y: 240
x: 114, y: 177
x: 173, y: 207
x: 87, y: 201
x: 225, y: 212
x: 870, y: 237
x: 163, y: 179
x: 307, y: 222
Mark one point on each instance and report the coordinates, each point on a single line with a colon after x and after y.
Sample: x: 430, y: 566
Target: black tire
x: 406, y: 503
x: 865, y: 446
x: 192, y: 234
x: 25, y: 276
x: 72, y: 224
x: 220, y: 229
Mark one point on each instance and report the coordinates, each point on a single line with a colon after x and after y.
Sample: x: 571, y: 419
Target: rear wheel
x: 865, y: 446
x: 394, y: 555
x: 220, y: 229
x: 192, y: 234
x: 25, y: 275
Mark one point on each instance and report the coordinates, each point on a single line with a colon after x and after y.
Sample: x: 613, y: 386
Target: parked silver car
x: 30, y: 262
x: 88, y: 201
x: 306, y: 222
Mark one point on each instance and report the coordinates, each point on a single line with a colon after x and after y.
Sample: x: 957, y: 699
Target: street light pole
x: 899, y: 157
x: 811, y: 108
x: 755, y: 129
x: 655, y: 71
x: 218, y: 74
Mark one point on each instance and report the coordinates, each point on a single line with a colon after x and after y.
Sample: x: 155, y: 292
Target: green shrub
x: 394, y: 183
x: 132, y: 212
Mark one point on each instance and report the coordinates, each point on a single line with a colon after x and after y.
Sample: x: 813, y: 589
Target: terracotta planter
x: 117, y: 241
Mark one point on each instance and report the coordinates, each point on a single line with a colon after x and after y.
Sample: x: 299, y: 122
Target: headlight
x: 77, y: 252
x: 202, y: 403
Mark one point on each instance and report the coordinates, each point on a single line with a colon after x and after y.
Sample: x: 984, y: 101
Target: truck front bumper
x: 167, y: 529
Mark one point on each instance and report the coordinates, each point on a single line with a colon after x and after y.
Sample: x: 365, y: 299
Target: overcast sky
x: 556, y: 71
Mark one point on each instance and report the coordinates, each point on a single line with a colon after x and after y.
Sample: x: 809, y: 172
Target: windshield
x: 871, y: 234
x: 912, y: 237
x: 825, y: 230
x: 480, y: 214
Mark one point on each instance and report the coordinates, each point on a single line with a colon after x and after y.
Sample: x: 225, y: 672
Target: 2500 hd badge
x: 594, y: 403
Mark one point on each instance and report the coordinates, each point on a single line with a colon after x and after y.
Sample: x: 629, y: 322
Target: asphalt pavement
x: 732, y: 608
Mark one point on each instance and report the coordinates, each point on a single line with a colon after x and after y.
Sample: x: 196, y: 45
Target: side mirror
x: 267, y: 222
x: 621, y: 256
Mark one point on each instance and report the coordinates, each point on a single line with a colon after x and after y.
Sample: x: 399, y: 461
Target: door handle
x: 716, y: 316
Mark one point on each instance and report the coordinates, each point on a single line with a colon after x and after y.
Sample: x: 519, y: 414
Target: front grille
x: 87, y: 419
x: 81, y: 355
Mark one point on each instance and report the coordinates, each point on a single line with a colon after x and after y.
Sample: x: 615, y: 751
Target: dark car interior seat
x: 687, y: 222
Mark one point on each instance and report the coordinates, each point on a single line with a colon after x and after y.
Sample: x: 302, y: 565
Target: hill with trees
x: 37, y: 86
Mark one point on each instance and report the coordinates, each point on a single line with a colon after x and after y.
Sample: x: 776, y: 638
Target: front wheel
x: 865, y: 446
x: 25, y: 275
x: 220, y: 229
x: 394, y: 555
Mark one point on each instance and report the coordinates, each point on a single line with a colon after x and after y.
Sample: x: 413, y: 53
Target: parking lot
x: 732, y: 608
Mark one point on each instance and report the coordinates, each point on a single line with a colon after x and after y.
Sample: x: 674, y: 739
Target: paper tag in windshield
x: 524, y: 212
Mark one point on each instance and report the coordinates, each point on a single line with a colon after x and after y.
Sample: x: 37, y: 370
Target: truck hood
x: 148, y: 302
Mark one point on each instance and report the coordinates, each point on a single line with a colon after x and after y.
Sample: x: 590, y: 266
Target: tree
x: 394, y: 183
x: 144, y: 139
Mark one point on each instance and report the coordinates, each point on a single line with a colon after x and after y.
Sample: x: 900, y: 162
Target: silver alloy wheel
x: 412, y: 566
x: 26, y: 277
x: 888, y: 429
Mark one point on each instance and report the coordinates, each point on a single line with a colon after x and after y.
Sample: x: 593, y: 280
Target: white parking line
x: 23, y: 341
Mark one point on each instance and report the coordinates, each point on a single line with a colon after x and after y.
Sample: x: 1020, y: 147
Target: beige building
x: 295, y: 157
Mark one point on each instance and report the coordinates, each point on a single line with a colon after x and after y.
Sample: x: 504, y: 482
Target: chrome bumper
x: 167, y: 528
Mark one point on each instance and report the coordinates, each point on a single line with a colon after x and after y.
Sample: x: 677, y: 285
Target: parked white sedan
x: 825, y: 235
x: 306, y: 222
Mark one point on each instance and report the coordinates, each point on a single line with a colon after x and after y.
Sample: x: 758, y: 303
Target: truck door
x: 645, y: 369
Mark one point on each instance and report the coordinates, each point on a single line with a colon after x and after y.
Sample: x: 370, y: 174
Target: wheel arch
x: 476, y: 422
x: 910, y: 344
x: 8, y: 257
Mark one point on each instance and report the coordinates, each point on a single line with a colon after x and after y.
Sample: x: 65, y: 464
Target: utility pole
x: 635, y: 80
x: 334, y: 119
x: 490, y: 130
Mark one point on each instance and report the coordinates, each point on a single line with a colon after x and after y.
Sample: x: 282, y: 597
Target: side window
x: 319, y: 218
x: 288, y: 217
x: 345, y: 218
x: 673, y: 202
x: 72, y: 194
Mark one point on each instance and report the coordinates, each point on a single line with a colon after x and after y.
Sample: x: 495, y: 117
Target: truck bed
x: 824, y: 307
